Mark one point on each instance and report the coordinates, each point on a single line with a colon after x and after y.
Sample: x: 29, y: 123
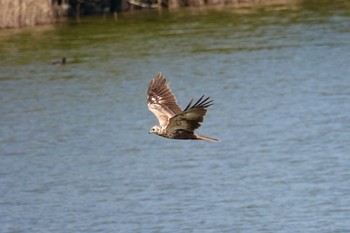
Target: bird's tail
x: 206, y: 138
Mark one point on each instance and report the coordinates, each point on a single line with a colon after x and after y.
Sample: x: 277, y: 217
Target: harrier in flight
x: 175, y: 123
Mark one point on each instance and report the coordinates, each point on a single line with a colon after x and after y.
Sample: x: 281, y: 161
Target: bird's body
x: 60, y: 63
x: 175, y: 123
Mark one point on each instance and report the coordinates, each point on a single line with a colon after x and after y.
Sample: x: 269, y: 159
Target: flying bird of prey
x: 175, y: 123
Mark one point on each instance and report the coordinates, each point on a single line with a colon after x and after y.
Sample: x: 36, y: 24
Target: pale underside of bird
x: 175, y: 123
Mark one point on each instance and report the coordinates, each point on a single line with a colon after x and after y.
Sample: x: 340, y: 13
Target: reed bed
x: 23, y: 13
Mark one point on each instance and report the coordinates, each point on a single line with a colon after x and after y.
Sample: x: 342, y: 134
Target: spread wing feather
x: 200, y: 103
x: 161, y: 101
x: 191, y: 117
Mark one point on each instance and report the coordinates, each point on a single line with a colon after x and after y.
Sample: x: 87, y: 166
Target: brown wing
x: 161, y: 101
x: 191, y: 117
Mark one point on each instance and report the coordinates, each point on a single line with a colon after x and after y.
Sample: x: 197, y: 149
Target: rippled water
x: 76, y: 155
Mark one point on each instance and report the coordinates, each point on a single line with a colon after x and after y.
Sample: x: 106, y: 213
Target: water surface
x: 76, y: 155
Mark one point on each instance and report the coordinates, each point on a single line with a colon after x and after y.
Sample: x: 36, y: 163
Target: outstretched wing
x: 190, y: 118
x: 161, y: 101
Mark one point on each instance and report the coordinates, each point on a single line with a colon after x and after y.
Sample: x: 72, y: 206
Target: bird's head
x: 155, y: 129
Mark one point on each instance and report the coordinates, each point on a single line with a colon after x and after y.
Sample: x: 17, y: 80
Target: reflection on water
x: 75, y: 151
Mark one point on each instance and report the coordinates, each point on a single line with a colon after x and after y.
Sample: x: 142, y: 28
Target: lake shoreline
x: 23, y: 14
x: 174, y: 4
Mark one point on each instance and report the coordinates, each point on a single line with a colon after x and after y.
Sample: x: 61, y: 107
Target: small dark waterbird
x: 175, y: 123
x: 60, y: 63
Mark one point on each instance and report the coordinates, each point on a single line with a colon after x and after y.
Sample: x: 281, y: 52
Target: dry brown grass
x: 22, y: 13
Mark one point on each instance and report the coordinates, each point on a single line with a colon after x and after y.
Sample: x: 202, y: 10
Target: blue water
x: 76, y: 155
